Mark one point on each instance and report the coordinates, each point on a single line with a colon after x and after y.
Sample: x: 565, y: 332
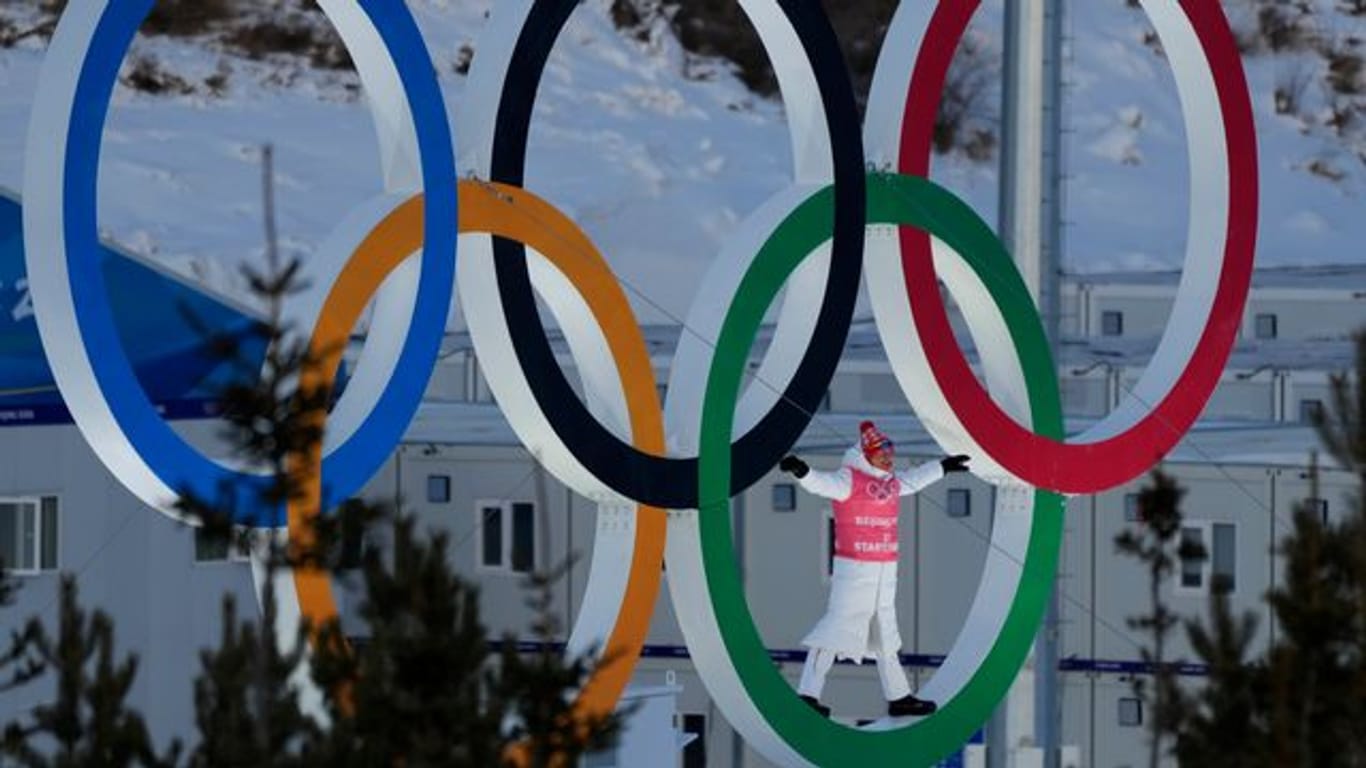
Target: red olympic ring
x: 1094, y: 466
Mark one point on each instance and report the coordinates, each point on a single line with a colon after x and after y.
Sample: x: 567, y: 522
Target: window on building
x: 959, y: 502
x: 1130, y: 712
x: 1320, y: 506
x: 1208, y: 556
x: 1265, y: 326
x: 210, y: 546
x: 695, y: 753
x: 1311, y: 411
x: 1133, y: 513
x: 491, y: 535
x: 1224, y: 560
x: 1192, y: 568
x: 507, y: 535
x: 1111, y: 323
x: 214, y: 545
x: 28, y: 533
x: 438, y: 489
x: 357, y: 541
x: 523, y: 555
x: 784, y: 497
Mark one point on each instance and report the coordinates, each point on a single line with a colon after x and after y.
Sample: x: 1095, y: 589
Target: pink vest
x: 865, y: 523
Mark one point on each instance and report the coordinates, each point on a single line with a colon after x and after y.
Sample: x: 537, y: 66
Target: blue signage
x: 166, y: 327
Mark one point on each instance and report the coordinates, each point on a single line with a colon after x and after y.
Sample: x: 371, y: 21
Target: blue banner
x: 168, y: 328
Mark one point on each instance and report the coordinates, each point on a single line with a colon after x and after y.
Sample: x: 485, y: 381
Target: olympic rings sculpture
x: 712, y: 439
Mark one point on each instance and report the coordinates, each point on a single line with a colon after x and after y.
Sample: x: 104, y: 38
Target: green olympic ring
x: 892, y: 200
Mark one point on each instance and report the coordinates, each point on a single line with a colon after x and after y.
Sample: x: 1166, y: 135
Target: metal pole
x: 737, y: 510
x: 1048, y: 709
x: 272, y: 239
x: 1031, y: 226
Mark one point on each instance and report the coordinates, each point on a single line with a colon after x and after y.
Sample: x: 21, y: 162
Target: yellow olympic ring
x: 516, y: 214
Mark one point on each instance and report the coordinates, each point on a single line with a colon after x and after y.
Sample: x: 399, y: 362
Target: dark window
x: 1320, y: 506
x: 1225, y: 560
x: 28, y: 533
x: 695, y: 754
x: 491, y: 518
x: 48, y: 561
x: 1311, y: 411
x: 1132, y: 512
x: 9, y: 533
x: 1111, y: 323
x: 438, y: 489
x: 959, y: 502
x: 211, y: 545
x: 523, y: 537
x: 1265, y: 326
x: 1192, y: 568
x: 1130, y: 712
x: 352, y: 541
x: 784, y: 497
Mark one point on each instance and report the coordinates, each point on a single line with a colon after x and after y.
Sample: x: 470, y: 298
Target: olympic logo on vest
x: 883, y: 491
x: 721, y: 437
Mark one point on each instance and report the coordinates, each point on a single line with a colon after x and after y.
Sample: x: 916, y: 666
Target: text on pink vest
x: 866, y: 522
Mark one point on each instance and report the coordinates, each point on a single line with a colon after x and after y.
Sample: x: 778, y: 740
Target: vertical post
x: 1031, y: 227
x: 272, y: 239
x: 1022, y: 140
x: 1048, y: 702
x: 737, y: 511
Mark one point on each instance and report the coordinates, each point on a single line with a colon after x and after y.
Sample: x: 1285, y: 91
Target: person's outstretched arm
x: 918, y: 478
x: 831, y: 485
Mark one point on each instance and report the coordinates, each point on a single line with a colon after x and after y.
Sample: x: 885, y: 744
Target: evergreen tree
x: 89, y: 722
x: 1152, y: 545
x: 424, y: 687
x: 417, y: 690
x: 1317, y: 682
x: 246, y: 704
x: 1317, y: 667
x: 1224, y: 723
x: 246, y: 707
x: 18, y: 661
x: 549, y: 732
x: 1304, y: 702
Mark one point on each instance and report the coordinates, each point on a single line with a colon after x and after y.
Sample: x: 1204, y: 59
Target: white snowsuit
x: 860, y: 618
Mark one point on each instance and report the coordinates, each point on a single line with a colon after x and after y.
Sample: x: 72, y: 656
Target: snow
x: 659, y: 167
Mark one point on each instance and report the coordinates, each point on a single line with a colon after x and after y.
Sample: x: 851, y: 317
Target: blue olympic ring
x: 179, y: 465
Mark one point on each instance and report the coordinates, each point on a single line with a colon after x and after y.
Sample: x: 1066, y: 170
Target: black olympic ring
x: 667, y: 482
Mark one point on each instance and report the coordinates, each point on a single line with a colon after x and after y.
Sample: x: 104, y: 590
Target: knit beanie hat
x: 871, y: 439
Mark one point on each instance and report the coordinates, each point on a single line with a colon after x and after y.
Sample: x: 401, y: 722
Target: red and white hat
x: 872, y: 440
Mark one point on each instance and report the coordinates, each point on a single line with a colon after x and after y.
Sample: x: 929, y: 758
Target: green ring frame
x: 893, y: 200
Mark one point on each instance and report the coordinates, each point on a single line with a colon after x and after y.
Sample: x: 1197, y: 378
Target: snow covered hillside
x: 659, y: 164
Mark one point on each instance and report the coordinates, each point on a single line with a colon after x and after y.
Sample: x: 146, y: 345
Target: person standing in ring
x: 860, y: 618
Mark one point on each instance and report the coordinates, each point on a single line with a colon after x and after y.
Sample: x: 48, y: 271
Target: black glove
x: 794, y: 466
x: 957, y: 463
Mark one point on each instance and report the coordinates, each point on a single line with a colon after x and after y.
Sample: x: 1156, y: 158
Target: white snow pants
x: 820, y: 660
